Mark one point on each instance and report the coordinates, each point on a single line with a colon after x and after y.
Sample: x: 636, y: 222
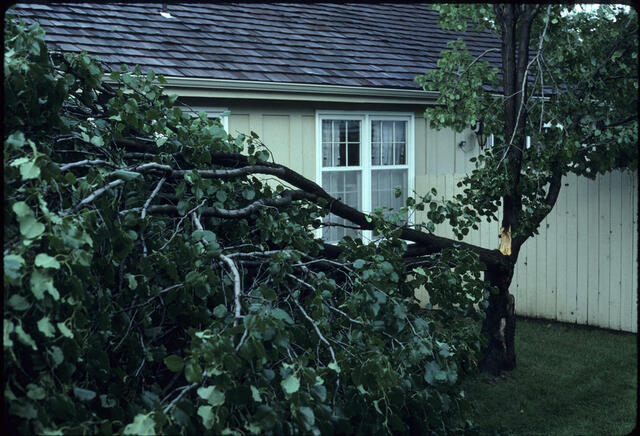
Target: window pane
x: 347, y: 186
x: 400, y: 142
x: 327, y: 158
x: 336, y: 150
x: 383, y: 183
x: 386, y: 151
x: 400, y: 131
x: 340, y: 132
x: 353, y: 128
x: 354, y: 154
x: 341, y: 155
x: 376, y: 139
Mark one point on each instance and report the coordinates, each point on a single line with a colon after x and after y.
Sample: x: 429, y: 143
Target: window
x: 362, y: 158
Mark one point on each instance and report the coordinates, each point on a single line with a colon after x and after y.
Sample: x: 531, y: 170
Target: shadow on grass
x: 570, y: 380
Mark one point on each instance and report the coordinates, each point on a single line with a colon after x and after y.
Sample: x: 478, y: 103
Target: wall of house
x: 581, y: 268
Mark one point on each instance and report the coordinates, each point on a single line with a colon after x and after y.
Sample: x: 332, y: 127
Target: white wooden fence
x: 582, y: 266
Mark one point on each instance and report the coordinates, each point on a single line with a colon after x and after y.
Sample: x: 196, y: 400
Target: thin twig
x: 185, y: 389
x: 180, y: 222
x: 236, y: 287
x: 97, y: 193
x: 85, y: 162
x: 318, y: 332
x: 153, y: 194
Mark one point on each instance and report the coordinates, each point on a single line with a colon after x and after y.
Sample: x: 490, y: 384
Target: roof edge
x: 271, y: 90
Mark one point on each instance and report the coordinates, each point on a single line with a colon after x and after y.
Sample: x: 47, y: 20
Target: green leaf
x: 41, y: 282
x: 320, y: 392
x: 206, y: 413
x: 84, y: 394
x: 220, y: 311
x: 142, y: 425
x: 255, y: 394
x: 249, y: 194
x: 66, y: 332
x: 23, y: 410
x: 359, y: 263
x: 387, y: 268
x: 46, y: 328
x: 280, y: 314
x: 161, y: 140
x: 307, y: 416
x: 334, y: 366
x: 132, y: 282
x: 30, y: 227
x: 29, y: 170
x: 174, y: 363
x: 212, y: 395
x: 290, y: 384
x: 18, y: 302
x: 16, y: 140
x: 193, y: 372
x: 97, y: 140
x: 25, y: 338
x: 221, y: 196
x: 13, y: 263
x: 35, y: 392
x: 8, y: 328
x: 21, y: 209
x: 419, y: 270
x: 56, y: 355
x: 45, y: 261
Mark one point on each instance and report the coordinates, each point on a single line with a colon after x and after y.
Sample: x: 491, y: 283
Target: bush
x: 153, y: 287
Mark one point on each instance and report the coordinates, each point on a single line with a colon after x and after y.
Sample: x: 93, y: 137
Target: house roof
x: 354, y: 45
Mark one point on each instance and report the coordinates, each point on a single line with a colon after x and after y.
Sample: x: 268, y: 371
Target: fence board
x: 627, y: 303
x: 571, y: 192
x: 593, y: 254
x: 634, y: 270
x: 561, y: 253
x: 551, y: 259
x: 582, y: 236
x: 583, y: 267
x: 615, y: 244
x: 604, y: 252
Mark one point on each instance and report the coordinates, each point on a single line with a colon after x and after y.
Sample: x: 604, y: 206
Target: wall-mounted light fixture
x: 466, y: 145
x: 480, y: 136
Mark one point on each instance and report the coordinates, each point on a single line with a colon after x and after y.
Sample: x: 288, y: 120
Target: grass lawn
x: 570, y: 380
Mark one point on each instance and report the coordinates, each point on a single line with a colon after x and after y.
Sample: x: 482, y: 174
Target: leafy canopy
x: 579, y: 105
x: 150, y: 288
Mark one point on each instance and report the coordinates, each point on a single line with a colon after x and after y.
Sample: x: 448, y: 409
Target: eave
x: 244, y: 89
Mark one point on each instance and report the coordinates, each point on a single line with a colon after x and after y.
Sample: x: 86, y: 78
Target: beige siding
x: 582, y: 267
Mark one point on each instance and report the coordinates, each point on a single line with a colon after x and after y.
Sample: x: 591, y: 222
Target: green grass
x: 570, y: 380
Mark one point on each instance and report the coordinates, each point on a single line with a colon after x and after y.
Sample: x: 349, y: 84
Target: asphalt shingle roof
x: 371, y: 45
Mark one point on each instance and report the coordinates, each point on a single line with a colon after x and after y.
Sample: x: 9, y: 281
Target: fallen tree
x: 155, y: 282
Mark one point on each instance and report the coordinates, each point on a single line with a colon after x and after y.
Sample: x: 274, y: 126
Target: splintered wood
x: 505, y: 241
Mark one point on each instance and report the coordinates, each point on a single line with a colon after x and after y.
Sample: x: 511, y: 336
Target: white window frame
x: 212, y: 112
x: 365, y: 118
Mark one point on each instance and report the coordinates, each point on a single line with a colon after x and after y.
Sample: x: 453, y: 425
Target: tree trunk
x: 499, y: 324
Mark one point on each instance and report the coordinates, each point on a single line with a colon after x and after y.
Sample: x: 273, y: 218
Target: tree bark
x: 499, y: 324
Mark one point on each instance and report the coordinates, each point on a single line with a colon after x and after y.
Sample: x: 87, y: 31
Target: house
x: 329, y: 88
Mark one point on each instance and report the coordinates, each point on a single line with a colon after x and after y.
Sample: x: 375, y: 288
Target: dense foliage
x: 155, y: 284
x: 577, y: 99
x: 563, y: 99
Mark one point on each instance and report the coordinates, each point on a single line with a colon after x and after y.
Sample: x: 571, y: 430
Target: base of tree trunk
x: 500, y: 326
